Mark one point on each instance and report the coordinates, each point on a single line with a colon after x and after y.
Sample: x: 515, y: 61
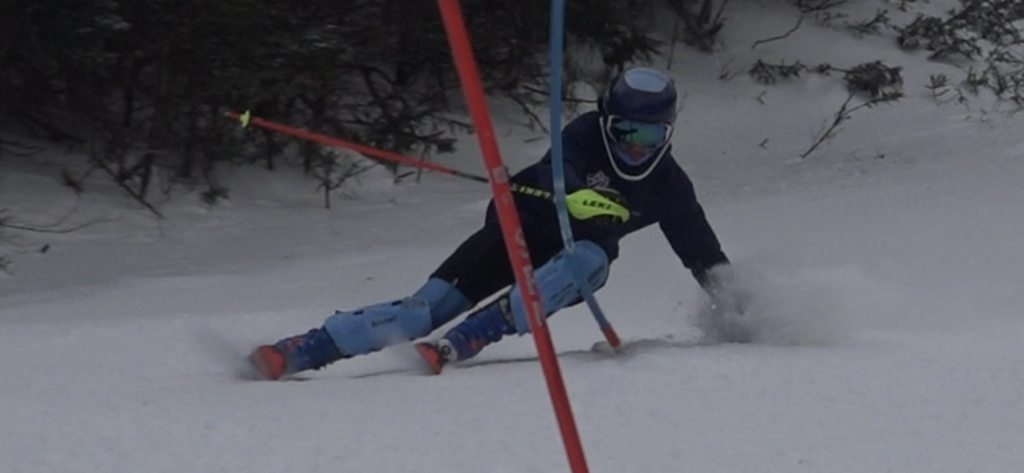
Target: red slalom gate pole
x: 247, y: 120
x: 515, y: 242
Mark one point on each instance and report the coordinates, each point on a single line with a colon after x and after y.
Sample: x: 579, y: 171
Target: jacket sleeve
x: 687, y: 228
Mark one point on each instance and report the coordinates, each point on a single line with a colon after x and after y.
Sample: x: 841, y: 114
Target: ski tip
x: 430, y: 354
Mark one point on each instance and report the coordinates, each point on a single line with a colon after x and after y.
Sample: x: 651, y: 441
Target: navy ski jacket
x: 665, y: 197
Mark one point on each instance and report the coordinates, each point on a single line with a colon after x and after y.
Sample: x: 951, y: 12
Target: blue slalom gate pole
x: 558, y: 168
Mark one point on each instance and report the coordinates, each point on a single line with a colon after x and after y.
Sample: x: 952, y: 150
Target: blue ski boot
x: 469, y: 337
x: 311, y: 350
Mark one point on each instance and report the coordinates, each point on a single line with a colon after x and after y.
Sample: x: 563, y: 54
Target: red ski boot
x: 269, y: 362
x: 310, y: 351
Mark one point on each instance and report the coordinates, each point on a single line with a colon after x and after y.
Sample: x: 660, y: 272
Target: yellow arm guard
x: 586, y: 204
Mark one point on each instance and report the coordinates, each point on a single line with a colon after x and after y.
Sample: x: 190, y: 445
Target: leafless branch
x: 844, y: 113
x: 16, y: 148
x: 792, y: 30
x: 141, y: 199
x: 33, y: 229
x: 832, y: 129
x: 55, y: 227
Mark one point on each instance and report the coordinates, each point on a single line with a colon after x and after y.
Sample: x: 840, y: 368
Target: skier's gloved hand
x: 720, y: 282
x: 599, y: 205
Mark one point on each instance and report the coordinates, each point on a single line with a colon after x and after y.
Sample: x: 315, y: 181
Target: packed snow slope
x: 885, y: 269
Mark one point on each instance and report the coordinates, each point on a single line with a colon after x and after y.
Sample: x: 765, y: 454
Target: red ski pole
x: 247, y: 119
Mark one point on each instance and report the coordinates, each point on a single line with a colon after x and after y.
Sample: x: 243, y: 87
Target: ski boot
x: 437, y: 355
x: 312, y: 350
x: 468, y: 338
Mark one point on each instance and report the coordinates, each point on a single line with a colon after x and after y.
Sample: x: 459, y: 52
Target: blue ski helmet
x: 637, y: 111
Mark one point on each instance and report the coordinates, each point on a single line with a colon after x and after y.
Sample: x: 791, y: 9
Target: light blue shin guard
x: 445, y: 300
x: 556, y: 282
x: 374, y: 327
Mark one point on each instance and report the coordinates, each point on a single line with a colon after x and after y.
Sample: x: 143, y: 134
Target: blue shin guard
x: 374, y: 327
x: 558, y: 285
x: 445, y: 300
x: 507, y: 315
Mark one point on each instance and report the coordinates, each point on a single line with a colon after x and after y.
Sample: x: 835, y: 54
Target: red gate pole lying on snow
x: 515, y: 242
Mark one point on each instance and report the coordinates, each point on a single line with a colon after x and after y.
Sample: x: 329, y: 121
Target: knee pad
x: 557, y: 284
x: 374, y: 327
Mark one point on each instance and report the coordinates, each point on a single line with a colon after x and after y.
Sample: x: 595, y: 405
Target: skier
x: 620, y: 177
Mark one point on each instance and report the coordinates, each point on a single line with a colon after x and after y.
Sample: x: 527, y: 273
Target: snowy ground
x: 888, y: 306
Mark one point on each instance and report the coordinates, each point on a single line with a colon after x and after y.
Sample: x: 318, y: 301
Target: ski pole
x: 247, y: 119
x: 557, y: 169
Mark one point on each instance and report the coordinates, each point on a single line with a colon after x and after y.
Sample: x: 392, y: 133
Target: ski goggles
x: 634, y: 132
